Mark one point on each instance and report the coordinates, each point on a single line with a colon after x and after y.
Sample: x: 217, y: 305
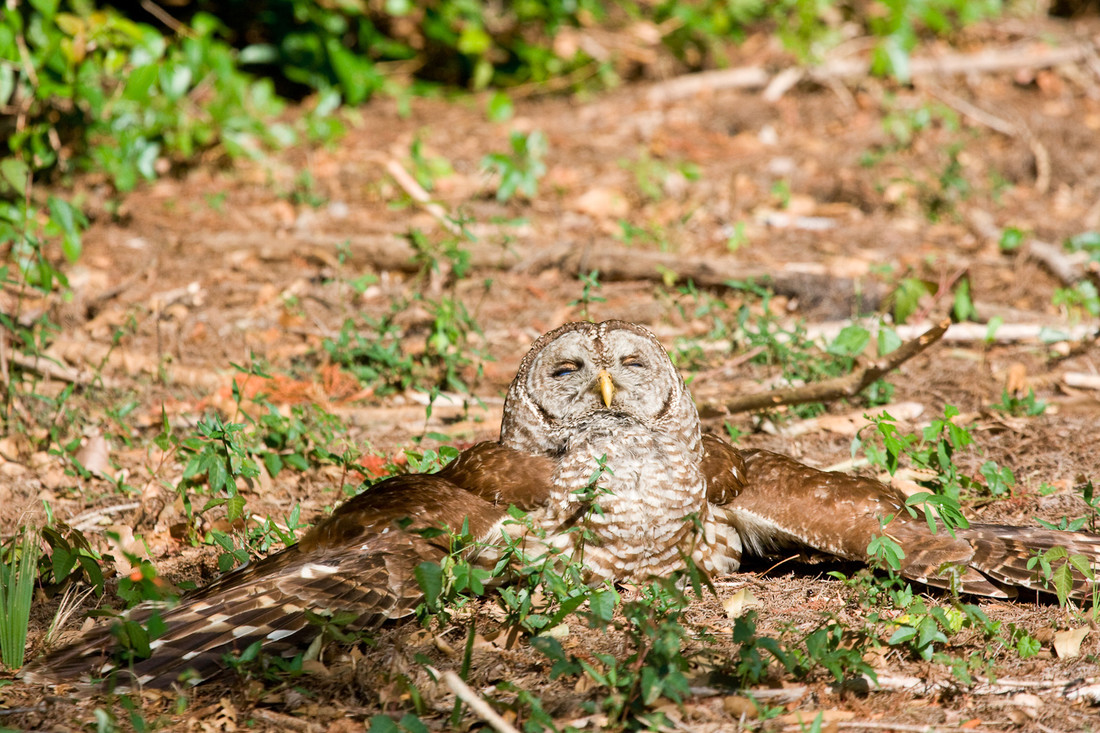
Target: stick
x: 43, y: 366
x: 847, y: 386
x: 1083, y: 380
x: 420, y: 196
x: 481, y: 708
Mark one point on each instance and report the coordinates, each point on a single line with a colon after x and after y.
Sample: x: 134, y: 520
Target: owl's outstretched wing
x: 780, y: 503
x: 360, y: 560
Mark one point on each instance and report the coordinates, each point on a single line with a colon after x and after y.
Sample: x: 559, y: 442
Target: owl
x: 601, y: 446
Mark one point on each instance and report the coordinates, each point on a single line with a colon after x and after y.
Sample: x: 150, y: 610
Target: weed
x: 521, y: 169
x: 590, y: 284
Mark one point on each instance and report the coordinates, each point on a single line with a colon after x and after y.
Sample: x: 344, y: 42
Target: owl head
x: 582, y: 370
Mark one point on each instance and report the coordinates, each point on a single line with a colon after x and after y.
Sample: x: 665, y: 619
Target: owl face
x: 585, y: 370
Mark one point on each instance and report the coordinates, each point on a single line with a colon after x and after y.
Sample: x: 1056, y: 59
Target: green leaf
x: 888, y: 340
x: 1062, y: 580
x: 1011, y: 239
x: 474, y: 41
x: 500, y: 107
x: 430, y: 577
x: 851, y: 341
x: 15, y: 172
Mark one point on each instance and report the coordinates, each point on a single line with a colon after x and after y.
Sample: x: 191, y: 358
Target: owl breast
x: 635, y: 498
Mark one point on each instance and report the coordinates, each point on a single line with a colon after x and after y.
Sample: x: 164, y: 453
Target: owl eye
x: 633, y: 361
x: 565, y: 369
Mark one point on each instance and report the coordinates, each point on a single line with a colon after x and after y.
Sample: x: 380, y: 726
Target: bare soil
x: 235, y: 262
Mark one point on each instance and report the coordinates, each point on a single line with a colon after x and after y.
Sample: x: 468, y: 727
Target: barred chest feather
x: 631, y: 503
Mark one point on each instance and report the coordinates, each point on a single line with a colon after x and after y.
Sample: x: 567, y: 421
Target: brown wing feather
x: 360, y: 559
x: 783, y: 503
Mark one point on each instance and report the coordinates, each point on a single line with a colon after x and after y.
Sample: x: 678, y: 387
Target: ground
x: 839, y: 189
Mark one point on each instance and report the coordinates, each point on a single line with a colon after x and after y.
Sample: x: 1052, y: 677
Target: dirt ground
x: 838, y: 189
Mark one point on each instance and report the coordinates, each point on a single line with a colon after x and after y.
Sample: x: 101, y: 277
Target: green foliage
x: 1056, y: 567
x: 17, y: 577
x: 377, y: 351
x: 898, y: 28
x: 120, y: 95
x: 933, y: 450
x: 1019, y: 406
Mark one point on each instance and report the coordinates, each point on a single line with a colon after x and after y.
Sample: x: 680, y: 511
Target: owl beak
x: 607, y: 387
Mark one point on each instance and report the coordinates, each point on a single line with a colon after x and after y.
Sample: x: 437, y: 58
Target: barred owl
x: 601, y: 446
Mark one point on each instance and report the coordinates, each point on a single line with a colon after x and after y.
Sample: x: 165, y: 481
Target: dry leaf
x: 94, y: 455
x: 739, y: 602
x: 1016, y: 379
x: 1068, y: 643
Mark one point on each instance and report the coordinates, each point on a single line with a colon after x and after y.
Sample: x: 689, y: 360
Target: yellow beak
x: 607, y: 387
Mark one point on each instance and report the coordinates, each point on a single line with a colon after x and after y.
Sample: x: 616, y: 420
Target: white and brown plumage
x: 597, y: 415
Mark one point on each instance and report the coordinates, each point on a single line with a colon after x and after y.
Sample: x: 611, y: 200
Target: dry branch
x: 847, y: 386
x: 810, y: 283
x: 986, y: 61
x: 814, y: 289
x: 1075, y: 689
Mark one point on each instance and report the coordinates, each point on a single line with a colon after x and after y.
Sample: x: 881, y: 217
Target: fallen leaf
x: 738, y: 706
x: 602, y: 203
x: 1068, y: 643
x: 739, y: 602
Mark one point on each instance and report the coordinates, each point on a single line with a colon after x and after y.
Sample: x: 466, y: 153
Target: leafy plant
x: 17, y: 577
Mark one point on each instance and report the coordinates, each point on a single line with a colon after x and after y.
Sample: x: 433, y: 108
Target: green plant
x: 17, y: 577
x: 521, y: 169
x: 590, y: 284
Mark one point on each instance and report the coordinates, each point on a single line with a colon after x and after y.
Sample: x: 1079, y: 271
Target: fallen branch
x: 812, y: 284
x: 847, y: 386
x: 1082, y: 380
x: 969, y: 332
x: 755, y: 77
x: 1078, y: 689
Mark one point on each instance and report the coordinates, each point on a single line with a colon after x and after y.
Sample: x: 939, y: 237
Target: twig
x: 970, y: 332
x: 88, y: 519
x: 162, y: 15
x: 1017, y: 130
x: 481, y: 708
x: 420, y: 196
x: 47, y: 368
x: 847, y: 386
x: 1069, y: 267
x: 972, y: 111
